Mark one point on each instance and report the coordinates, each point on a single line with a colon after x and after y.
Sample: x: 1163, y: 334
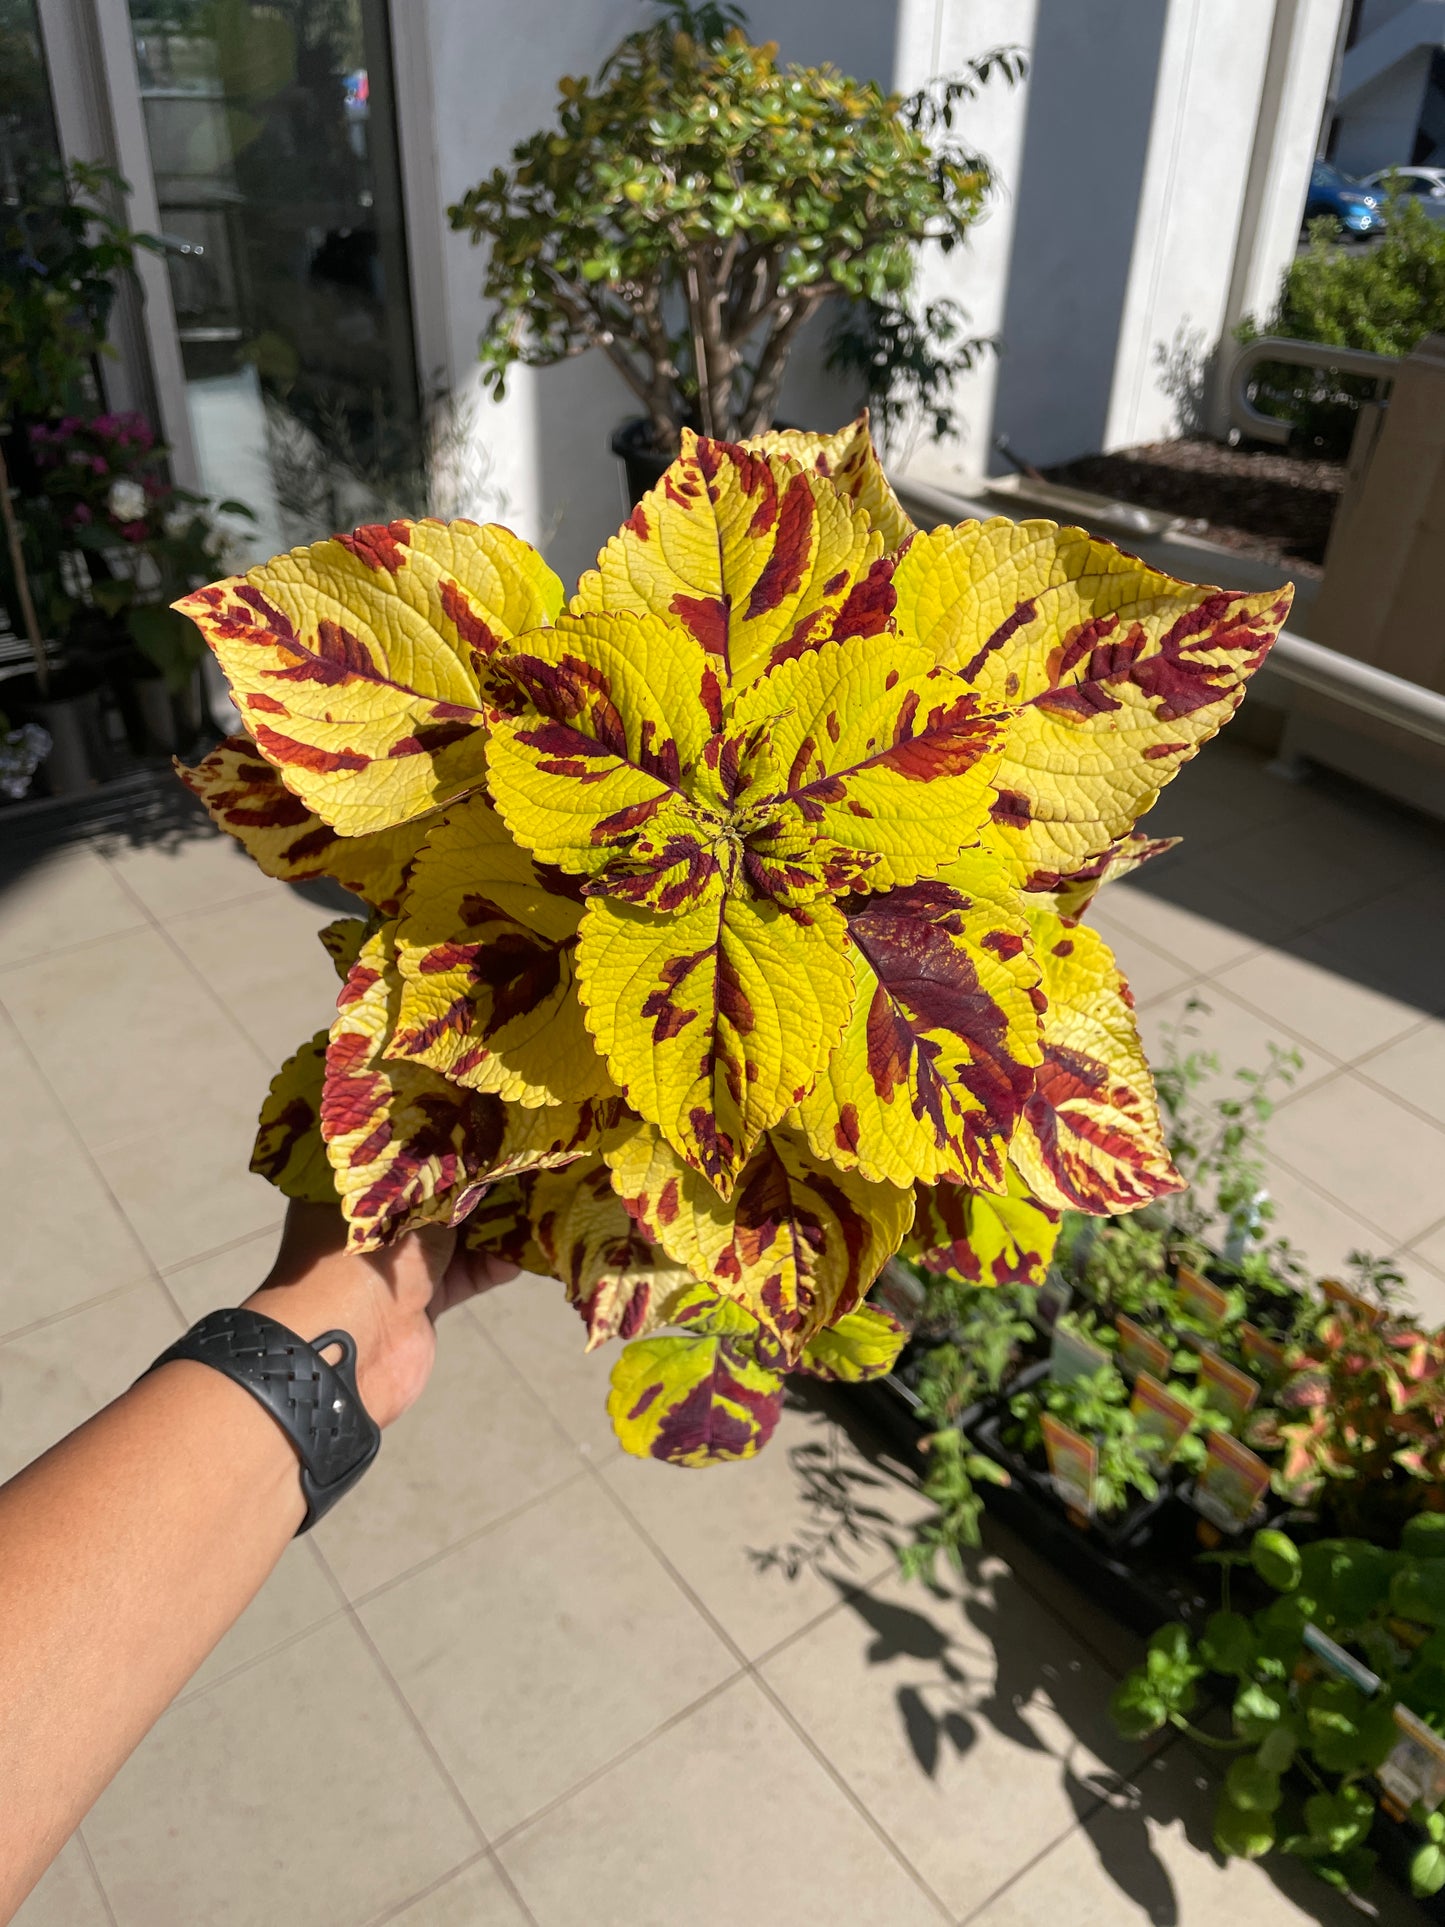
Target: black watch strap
x: 315, y: 1404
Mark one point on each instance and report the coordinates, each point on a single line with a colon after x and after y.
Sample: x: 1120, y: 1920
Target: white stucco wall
x: 1377, y: 125
x: 1138, y: 204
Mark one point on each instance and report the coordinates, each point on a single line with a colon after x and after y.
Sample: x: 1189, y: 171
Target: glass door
x: 272, y: 143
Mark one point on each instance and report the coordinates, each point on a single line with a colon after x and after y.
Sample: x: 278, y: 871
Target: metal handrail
x: 1366, y: 689
x: 1301, y: 354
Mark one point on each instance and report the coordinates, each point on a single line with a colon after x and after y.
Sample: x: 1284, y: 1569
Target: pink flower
x: 134, y: 531
x: 99, y: 465
x: 79, y: 516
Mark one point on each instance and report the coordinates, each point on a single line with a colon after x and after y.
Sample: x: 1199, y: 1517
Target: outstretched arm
x: 127, y: 1550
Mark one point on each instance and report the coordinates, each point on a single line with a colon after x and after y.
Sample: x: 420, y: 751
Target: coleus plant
x: 722, y: 929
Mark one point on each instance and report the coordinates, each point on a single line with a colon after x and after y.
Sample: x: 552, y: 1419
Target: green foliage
x: 695, y: 203
x: 1097, y: 1406
x: 1290, y: 1710
x: 986, y: 1327
x: 61, y: 256
x: 1384, y: 298
x: 906, y: 359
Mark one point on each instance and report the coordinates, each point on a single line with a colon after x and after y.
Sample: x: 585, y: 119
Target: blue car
x: 1353, y: 209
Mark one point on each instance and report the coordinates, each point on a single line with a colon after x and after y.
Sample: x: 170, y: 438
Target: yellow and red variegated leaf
x: 406, y: 1146
x: 547, y: 1136
x: 289, y: 1151
x: 850, y: 462
x: 595, y: 769
x: 1112, y: 674
x: 757, y: 558
x: 860, y: 768
x: 1090, y: 1138
x: 986, y: 1238
x: 862, y: 1345
x: 342, y: 940
x: 797, y: 1245
x: 500, y: 1226
x: 716, y: 1019
x: 485, y: 947
x: 246, y: 797
x: 622, y: 1284
x: 939, y: 1056
x: 359, y: 663
x: 1073, y: 894
x: 701, y: 1397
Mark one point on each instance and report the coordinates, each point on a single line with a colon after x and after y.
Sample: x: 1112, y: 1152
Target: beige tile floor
x: 520, y: 1678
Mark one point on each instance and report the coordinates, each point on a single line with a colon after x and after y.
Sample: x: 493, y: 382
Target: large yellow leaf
x: 406, y: 1146
x: 716, y: 1019
x: 985, y: 1238
x: 1090, y: 1138
x: 1112, y: 673
x: 939, y: 1055
x: 757, y: 558
x: 485, y: 947
x: 698, y: 1398
x: 599, y: 766
x: 245, y: 796
x: 289, y: 1151
x: 359, y: 663
x: 850, y: 462
x: 1073, y: 894
x: 622, y: 1284
x: 863, y: 767
x: 797, y: 1245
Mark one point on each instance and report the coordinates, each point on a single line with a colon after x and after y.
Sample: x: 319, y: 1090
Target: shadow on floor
x: 1324, y: 869
x: 969, y: 1649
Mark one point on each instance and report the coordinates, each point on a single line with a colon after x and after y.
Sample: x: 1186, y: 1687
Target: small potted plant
x: 696, y: 203
x: 62, y: 254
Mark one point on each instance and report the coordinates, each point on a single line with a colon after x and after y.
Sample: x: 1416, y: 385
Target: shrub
x: 1384, y: 298
x: 696, y: 203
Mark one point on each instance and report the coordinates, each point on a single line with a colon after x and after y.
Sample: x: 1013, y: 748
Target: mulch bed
x: 1258, y: 502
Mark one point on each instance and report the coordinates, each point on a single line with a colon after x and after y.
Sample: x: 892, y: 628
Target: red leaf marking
x: 1010, y: 626
x: 782, y: 573
x: 307, y: 756
x: 378, y: 546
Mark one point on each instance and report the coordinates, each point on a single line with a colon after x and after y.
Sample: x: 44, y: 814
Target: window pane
x: 273, y: 148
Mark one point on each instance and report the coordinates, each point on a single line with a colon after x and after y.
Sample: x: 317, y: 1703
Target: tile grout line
x: 750, y: 1670
x: 113, y: 936
x: 193, y: 971
x: 432, y: 1887
x: 458, y: 1545
x: 1367, y: 1224
x: 85, y: 1304
x: 88, y: 1157
x: 747, y: 1666
x: 444, y: 1772
x: 218, y: 1251
x: 89, y: 1857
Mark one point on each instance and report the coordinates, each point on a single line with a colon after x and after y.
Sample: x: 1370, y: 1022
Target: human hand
x: 388, y: 1300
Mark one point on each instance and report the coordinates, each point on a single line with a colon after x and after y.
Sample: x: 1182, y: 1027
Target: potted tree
x: 696, y: 203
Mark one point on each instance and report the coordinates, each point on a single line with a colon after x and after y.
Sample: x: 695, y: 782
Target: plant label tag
x: 1333, y: 1657
x: 1266, y: 1355
x: 1140, y: 1350
x: 1052, y: 1300
x: 1226, y: 1388
x: 1415, y: 1770
x: 1229, y: 1488
x: 1351, y: 1301
x: 1163, y: 1418
x: 1073, y: 1466
x: 1208, y: 1302
x: 1073, y: 1356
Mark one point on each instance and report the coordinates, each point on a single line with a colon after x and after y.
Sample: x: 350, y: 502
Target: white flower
x: 178, y: 522
x: 126, y: 501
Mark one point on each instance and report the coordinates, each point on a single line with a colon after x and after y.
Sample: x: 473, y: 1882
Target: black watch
x: 315, y: 1404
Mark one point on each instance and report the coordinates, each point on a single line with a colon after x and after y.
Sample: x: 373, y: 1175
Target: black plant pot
x: 643, y: 464
x: 70, y: 712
